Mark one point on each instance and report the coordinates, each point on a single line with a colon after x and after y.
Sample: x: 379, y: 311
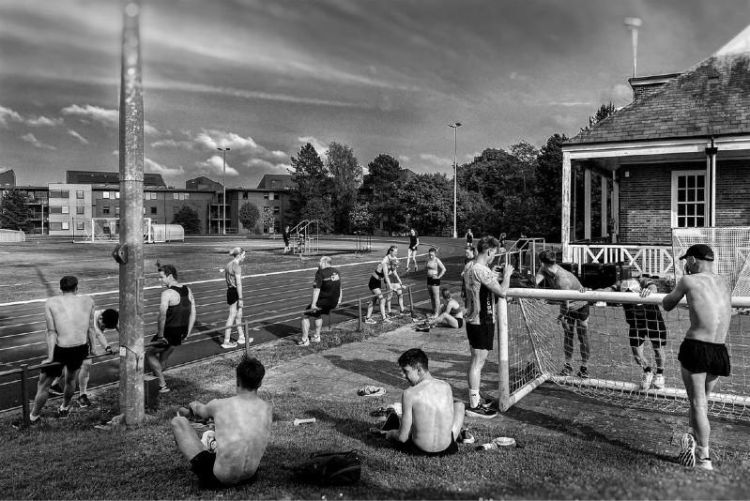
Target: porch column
x: 615, y: 208
x: 587, y: 203
x: 565, y: 216
x: 604, y: 206
x: 711, y: 184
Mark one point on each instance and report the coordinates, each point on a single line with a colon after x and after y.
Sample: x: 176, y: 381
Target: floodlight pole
x: 131, y: 210
x: 633, y: 23
x: 455, y: 127
x: 224, y: 185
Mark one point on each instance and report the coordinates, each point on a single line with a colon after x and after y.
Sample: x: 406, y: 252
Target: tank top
x: 455, y: 311
x: 379, y: 273
x: 178, y: 315
x: 412, y: 241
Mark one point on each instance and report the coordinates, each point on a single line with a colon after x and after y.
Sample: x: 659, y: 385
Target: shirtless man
x: 175, y: 322
x: 574, y: 315
x: 70, y: 332
x: 233, y: 276
x: 482, y: 284
x: 431, y: 421
x: 703, y: 354
x: 243, y: 429
x: 411, y: 253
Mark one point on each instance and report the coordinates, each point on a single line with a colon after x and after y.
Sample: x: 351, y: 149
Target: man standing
x: 243, y: 429
x: 703, y: 354
x: 175, y: 322
x: 70, y: 332
x: 481, y: 283
x: 233, y: 276
x: 431, y: 422
x: 326, y: 296
x: 574, y: 315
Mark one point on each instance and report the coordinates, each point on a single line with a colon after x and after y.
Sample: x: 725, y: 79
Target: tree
x: 362, y: 219
x: 549, y: 187
x: 267, y: 221
x: 189, y: 219
x: 249, y: 215
x: 15, y: 214
x: 310, y: 180
x: 430, y: 201
x: 378, y: 190
x: 346, y: 176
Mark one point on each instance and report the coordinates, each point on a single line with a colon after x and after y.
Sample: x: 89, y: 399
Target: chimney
x: 644, y: 87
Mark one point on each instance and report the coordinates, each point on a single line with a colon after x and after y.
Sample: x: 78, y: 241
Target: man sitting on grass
x: 243, y: 429
x: 431, y: 421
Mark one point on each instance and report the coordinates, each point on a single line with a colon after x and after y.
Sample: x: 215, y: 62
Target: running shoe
x: 583, y: 372
x: 687, y: 451
x: 422, y: 328
x: 370, y: 321
x: 659, y: 381
x: 241, y: 340
x: 56, y: 390
x: 20, y: 424
x: 646, y: 379
x: 63, y: 413
x: 465, y: 437
x: 315, y: 339
x: 229, y: 345
x: 567, y: 370
x: 83, y: 401
x: 481, y: 412
x: 304, y: 342
x: 704, y: 464
x: 164, y: 389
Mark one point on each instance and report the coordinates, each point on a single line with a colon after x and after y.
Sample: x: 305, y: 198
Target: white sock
x: 33, y: 418
x: 473, y: 398
x: 63, y: 408
x: 701, y: 452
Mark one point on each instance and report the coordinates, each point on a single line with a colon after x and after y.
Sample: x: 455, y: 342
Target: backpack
x: 331, y: 468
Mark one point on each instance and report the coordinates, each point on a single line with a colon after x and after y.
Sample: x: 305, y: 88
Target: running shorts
x: 700, y: 356
x: 481, y: 337
x: 232, y: 295
x: 375, y: 283
x: 70, y: 357
x: 433, y: 282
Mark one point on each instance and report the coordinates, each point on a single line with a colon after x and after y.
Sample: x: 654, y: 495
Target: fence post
x: 503, y: 399
x: 411, y: 302
x: 359, y: 315
x: 247, y: 338
x: 24, y: 396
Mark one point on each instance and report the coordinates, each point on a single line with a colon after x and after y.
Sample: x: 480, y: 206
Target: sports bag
x: 331, y: 468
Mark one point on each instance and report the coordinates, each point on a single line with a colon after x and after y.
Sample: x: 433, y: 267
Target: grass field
x: 570, y: 447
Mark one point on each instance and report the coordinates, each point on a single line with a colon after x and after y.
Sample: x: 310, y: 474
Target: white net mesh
x: 535, y: 343
x: 108, y: 228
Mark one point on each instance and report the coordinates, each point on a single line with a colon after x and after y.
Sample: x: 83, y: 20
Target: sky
x: 264, y: 77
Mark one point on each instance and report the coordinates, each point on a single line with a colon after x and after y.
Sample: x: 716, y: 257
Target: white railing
x: 651, y: 259
x: 12, y: 236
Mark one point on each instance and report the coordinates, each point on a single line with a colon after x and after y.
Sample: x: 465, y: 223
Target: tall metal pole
x: 224, y: 183
x: 455, y: 127
x: 131, y: 210
x: 633, y: 23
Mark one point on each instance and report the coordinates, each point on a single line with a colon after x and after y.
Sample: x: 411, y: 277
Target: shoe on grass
x: 62, y: 412
x: 481, y: 412
x: 658, y: 381
x: 315, y: 339
x: 646, y: 379
x: 241, y: 340
x: 687, y: 451
x: 370, y: 321
x: 567, y: 370
x: 229, y: 345
x: 704, y: 464
x: 164, y: 389
x: 304, y: 342
x: 465, y: 437
x: 387, y: 320
x: 583, y: 372
x: 83, y: 401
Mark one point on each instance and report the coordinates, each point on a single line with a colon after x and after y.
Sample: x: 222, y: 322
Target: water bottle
x: 488, y: 446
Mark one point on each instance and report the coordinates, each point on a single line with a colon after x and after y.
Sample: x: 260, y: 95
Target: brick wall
x: 732, y: 192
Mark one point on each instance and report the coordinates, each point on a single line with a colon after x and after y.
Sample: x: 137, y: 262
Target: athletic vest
x: 178, y: 316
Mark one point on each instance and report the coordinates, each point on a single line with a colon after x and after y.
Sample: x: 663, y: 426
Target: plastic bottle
x: 488, y: 446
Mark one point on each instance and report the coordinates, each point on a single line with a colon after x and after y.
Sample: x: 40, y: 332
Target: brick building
x: 677, y: 156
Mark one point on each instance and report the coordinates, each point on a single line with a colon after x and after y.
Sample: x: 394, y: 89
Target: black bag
x: 331, y: 468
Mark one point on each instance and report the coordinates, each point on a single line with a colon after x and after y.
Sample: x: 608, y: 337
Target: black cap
x: 700, y: 251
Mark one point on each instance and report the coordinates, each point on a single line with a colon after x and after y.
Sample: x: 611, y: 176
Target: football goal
x: 530, y: 352
x: 106, y: 229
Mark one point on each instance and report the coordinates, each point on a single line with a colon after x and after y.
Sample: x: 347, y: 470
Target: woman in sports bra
x: 451, y: 313
x: 397, y: 286
x: 435, y: 271
x: 376, y: 285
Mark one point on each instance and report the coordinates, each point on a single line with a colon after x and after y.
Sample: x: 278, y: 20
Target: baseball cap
x: 236, y: 251
x: 630, y: 284
x: 700, y: 251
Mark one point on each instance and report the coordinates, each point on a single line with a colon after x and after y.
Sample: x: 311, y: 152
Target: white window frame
x: 676, y: 174
x: 65, y: 225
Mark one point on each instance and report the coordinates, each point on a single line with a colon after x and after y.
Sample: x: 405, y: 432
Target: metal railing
x: 648, y: 259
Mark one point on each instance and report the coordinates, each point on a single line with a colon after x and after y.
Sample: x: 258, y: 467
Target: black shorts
x: 481, y: 337
x: 375, y: 283
x: 322, y: 310
x: 175, y: 335
x: 700, y: 356
x: 651, y: 326
x: 433, y: 282
x: 460, y: 322
x: 232, y: 295
x: 413, y: 249
x: 70, y: 357
x: 580, y: 314
x: 203, y: 466
x: 410, y: 447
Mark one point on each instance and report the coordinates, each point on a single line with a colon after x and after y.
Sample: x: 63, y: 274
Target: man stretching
x: 325, y: 297
x: 70, y: 332
x: 431, y: 421
x: 703, y: 354
x: 175, y: 322
x: 481, y: 283
x: 243, y: 429
x: 574, y: 315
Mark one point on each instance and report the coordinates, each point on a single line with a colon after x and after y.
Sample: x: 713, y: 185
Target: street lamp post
x: 224, y: 185
x: 455, y: 127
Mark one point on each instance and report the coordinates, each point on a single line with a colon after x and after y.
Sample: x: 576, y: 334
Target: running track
x: 274, y: 302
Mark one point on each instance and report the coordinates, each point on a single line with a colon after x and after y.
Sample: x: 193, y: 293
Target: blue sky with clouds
x: 265, y: 76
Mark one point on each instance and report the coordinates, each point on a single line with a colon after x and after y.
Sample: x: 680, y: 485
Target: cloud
x: 31, y: 139
x: 106, y: 117
x: 215, y: 165
x: 436, y: 160
x: 172, y: 143
x: 151, y: 166
x: 319, y: 146
x: 212, y: 139
x: 268, y: 167
x: 43, y: 122
x: 76, y: 135
x: 6, y: 115
x: 279, y: 154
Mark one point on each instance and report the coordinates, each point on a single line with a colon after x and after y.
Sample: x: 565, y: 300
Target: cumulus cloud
x: 319, y: 146
x: 43, y: 121
x: 268, y: 167
x: 76, y: 135
x: 172, y: 143
x: 215, y: 165
x: 212, y: 139
x: 436, y: 160
x: 404, y: 158
x: 279, y: 154
x: 31, y: 139
x: 106, y: 117
x: 7, y: 115
x: 157, y: 168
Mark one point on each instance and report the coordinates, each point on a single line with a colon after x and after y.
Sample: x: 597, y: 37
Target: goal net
x: 105, y: 229
x: 530, y: 352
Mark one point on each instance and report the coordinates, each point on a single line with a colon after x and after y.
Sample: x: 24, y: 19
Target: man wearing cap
x: 233, y: 276
x: 703, y: 354
x: 645, y: 320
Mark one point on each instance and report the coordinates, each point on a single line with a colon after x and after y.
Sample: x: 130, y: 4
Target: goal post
x: 530, y: 351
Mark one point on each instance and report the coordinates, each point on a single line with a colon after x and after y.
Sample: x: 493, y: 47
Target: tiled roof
x: 99, y: 177
x: 713, y: 98
x: 275, y: 182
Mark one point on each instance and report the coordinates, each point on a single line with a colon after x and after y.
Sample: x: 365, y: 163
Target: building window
x: 117, y: 210
x: 55, y: 210
x: 105, y: 209
x: 79, y: 226
x: 689, y: 199
x: 55, y: 226
x: 153, y: 210
x: 105, y: 194
x: 187, y: 196
x: 117, y: 194
x: 265, y: 196
x: 65, y: 209
x: 277, y: 210
x: 175, y: 196
x: 79, y: 194
x: 65, y: 225
x: 244, y: 195
x: 80, y: 209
